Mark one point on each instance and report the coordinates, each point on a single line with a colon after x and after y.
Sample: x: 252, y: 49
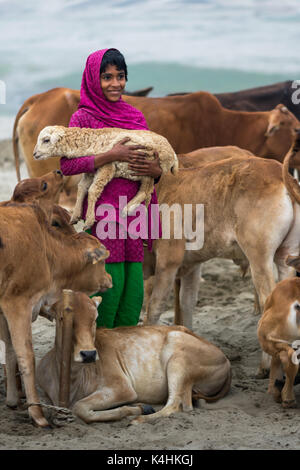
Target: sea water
x: 172, y: 45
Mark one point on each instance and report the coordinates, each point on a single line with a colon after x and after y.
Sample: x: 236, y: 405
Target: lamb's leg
x: 105, y: 174
x: 83, y: 186
x: 144, y: 194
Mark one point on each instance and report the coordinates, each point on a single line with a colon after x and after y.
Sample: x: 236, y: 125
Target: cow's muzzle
x: 88, y: 356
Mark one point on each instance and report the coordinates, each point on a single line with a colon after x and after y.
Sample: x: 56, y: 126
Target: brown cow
x: 188, y: 122
x: 151, y: 365
x: 263, y: 98
x: 37, y: 262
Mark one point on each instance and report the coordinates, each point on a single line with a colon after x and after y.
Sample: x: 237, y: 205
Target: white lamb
x: 74, y: 142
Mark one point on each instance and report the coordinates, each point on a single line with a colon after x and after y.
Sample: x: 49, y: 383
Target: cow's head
x: 81, y: 329
x: 279, y: 134
x: 49, y: 143
x: 60, y: 221
x: 84, y: 327
x: 43, y: 190
x: 86, y: 270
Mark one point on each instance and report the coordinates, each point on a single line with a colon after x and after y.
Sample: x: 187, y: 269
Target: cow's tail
x: 290, y: 183
x: 15, y: 138
x: 224, y: 390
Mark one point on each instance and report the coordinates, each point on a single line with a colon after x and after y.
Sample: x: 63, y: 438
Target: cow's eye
x: 55, y: 223
x: 45, y: 186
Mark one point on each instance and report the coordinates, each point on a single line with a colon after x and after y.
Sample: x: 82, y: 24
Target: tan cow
x: 154, y: 365
x: 249, y: 216
x: 37, y: 262
x: 279, y: 334
x: 189, y: 122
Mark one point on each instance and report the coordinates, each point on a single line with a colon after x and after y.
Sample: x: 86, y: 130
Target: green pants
x: 121, y: 305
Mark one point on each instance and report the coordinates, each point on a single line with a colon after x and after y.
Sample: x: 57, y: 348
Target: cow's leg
x: 96, y: 407
x: 179, y: 388
x: 12, y: 394
x: 290, y: 369
x: 162, y: 284
x: 189, y: 295
x: 168, y: 259
x: 18, y: 317
x: 275, y: 374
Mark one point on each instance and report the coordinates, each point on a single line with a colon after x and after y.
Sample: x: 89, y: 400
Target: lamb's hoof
x: 74, y: 220
x: 289, y: 404
x: 147, y: 409
x: 129, y: 210
x: 124, y: 212
x: 87, y: 226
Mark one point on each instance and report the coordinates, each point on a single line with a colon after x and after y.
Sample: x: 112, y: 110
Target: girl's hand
x: 142, y: 167
x: 125, y: 153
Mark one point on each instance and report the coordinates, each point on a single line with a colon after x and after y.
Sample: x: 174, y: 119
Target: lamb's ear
x: 57, y: 132
x: 175, y: 167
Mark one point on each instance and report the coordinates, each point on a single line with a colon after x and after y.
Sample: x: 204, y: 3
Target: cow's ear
x: 97, y: 255
x: 97, y: 300
x: 294, y: 262
x: 272, y: 128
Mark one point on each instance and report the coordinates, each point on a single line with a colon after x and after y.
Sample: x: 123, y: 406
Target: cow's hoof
x: 289, y: 404
x: 147, y: 409
x: 262, y: 374
x: 12, y: 406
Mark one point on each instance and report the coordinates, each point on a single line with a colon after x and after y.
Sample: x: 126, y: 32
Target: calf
x: 37, y: 262
x: 277, y: 330
x: 150, y: 364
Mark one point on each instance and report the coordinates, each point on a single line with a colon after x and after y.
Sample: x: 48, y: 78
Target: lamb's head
x: 49, y: 143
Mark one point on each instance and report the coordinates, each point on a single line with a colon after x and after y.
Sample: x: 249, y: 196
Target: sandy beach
x: 247, y: 418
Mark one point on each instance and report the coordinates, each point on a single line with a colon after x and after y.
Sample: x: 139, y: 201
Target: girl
x: 101, y: 105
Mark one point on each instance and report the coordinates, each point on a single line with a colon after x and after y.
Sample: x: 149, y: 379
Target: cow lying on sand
x: 139, y: 364
x: 278, y: 329
x: 51, y: 261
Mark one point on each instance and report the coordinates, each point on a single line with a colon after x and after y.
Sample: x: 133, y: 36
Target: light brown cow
x: 278, y: 332
x: 135, y: 364
x: 37, y: 262
x: 188, y: 122
x: 248, y: 216
x: 210, y: 154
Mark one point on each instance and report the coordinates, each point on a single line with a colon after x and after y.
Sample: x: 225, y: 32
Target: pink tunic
x: 120, y: 249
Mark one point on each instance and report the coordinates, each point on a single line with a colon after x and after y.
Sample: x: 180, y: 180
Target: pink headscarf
x: 92, y: 100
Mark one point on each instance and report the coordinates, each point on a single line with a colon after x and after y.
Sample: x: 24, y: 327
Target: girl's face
x: 112, y: 82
